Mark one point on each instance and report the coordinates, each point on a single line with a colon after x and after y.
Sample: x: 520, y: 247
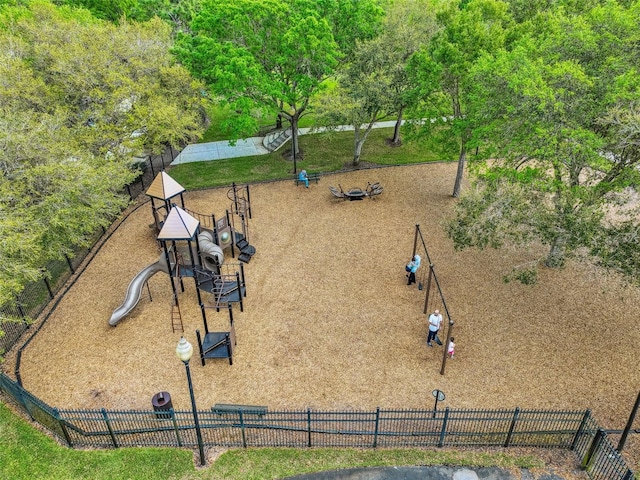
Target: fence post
x: 309, y: 427
x: 375, y: 433
x: 444, y: 427
x: 150, y: 159
x: 69, y: 263
x: 106, y: 420
x: 516, y: 414
x: 46, y: 283
x: 632, y: 416
x: 244, y: 436
x: 21, y: 311
x: 56, y: 414
x: 25, y: 402
x: 175, y: 426
x: 583, y: 424
x: 587, y: 461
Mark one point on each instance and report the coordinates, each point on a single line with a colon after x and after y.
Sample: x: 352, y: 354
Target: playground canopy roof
x: 164, y: 187
x: 179, y: 225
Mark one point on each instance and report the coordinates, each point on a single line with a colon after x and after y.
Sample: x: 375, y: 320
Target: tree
x: 469, y: 28
x: 559, y: 125
x: 361, y: 97
x: 407, y: 27
x: 374, y: 84
x: 78, y: 98
x: 263, y: 56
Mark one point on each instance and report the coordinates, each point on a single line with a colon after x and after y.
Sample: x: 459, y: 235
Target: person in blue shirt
x: 412, y: 268
x: 303, y: 177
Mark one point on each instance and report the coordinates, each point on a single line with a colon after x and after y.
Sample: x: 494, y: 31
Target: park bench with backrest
x: 223, y: 408
x: 313, y: 177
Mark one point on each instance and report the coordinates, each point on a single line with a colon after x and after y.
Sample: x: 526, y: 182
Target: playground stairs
x: 246, y: 251
x: 224, y: 289
x: 228, y: 292
x: 274, y: 140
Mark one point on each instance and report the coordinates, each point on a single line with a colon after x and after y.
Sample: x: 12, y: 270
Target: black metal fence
x: 34, y: 298
x: 566, y: 429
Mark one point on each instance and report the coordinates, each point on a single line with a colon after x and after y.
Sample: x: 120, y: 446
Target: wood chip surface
x: 329, y: 322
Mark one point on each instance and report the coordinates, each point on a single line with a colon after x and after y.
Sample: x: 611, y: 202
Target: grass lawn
x: 325, y: 152
x: 26, y: 453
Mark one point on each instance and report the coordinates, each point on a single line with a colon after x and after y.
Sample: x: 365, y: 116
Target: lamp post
x: 184, y: 351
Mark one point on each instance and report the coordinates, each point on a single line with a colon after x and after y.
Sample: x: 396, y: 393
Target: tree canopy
x: 270, y: 57
x: 556, y: 118
x: 442, y: 69
x: 78, y: 98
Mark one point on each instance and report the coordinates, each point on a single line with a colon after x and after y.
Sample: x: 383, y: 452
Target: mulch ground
x: 329, y: 322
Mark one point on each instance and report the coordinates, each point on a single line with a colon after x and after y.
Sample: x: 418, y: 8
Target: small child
x: 451, y: 348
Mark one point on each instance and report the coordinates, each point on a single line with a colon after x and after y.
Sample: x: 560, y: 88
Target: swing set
x: 428, y: 281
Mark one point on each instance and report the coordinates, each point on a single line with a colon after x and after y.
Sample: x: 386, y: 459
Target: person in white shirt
x: 435, y: 320
x: 451, y: 349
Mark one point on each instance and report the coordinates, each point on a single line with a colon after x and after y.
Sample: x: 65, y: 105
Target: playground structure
x: 371, y: 191
x: 193, y: 246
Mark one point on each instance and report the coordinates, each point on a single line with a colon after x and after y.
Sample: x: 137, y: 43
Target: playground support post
x: 446, y: 347
x: 415, y: 241
x: 426, y: 297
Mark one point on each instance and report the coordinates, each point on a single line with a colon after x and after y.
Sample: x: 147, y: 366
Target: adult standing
x: 412, y: 267
x: 435, y: 321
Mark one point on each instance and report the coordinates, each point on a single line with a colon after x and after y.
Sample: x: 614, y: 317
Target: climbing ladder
x: 176, y: 316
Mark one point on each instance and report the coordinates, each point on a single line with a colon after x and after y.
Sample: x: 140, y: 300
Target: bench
x: 222, y: 408
x: 313, y: 177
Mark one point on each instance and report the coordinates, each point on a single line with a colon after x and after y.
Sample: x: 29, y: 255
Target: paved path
x: 423, y: 473
x: 204, y: 152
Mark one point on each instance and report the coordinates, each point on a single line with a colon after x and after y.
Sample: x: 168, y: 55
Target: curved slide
x: 134, y: 291
x: 210, y: 253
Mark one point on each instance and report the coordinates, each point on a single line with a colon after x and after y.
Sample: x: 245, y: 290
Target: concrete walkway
x: 204, y: 152
x: 424, y: 473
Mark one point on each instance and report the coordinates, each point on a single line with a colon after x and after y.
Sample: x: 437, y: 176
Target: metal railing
x: 575, y: 430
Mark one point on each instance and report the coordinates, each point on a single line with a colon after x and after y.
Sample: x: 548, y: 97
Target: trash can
x: 161, y: 402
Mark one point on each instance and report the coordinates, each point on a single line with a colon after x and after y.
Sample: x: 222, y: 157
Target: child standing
x: 451, y: 348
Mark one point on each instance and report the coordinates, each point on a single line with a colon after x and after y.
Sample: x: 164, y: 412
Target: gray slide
x: 134, y: 291
x: 211, y: 256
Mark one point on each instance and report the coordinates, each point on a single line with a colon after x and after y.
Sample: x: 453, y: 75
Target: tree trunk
x: 457, y: 115
x: 360, y: 139
x: 555, y: 258
x: 396, y: 129
x: 461, y: 161
x: 357, y: 148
